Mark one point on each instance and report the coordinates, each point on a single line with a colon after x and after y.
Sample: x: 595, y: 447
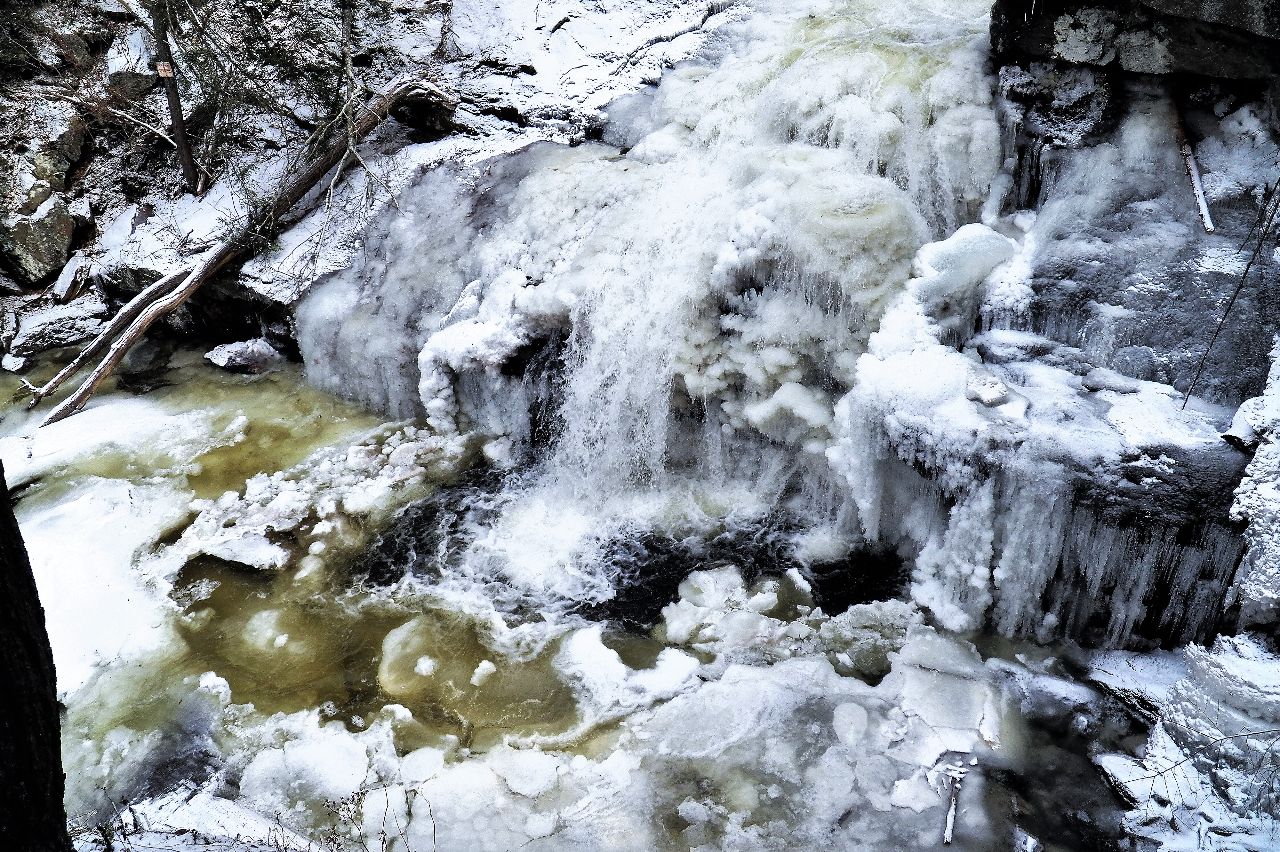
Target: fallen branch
x: 1193, y: 171
x: 164, y: 296
x: 95, y: 348
x: 58, y: 94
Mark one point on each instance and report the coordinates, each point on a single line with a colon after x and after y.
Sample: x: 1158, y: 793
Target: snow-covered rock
x: 248, y: 356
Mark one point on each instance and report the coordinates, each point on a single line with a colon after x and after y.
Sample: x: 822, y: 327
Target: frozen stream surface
x: 663, y: 491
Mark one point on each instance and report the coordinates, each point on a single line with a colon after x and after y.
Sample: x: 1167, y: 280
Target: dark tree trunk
x: 165, y: 68
x: 32, y: 817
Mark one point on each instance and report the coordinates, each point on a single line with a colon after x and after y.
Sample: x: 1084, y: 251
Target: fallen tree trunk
x: 31, y: 811
x: 1193, y: 172
x: 161, y: 298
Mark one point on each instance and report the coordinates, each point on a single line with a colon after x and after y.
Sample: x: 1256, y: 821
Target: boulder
x: 248, y: 356
x: 54, y: 137
x: 43, y: 324
x: 129, y: 70
x: 36, y: 245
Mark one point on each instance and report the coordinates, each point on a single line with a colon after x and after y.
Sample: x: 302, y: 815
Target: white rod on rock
x: 1193, y: 172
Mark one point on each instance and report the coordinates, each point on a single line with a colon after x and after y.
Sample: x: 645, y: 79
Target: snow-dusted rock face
x: 1260, y: 18
x: 1215, y: 39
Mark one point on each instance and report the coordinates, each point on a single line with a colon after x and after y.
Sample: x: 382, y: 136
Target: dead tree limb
x: 163, y: 297
x: 164, y: 67
x: 1193, y: 170
x: 119, y: 323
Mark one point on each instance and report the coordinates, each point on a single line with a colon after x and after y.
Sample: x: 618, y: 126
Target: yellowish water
x: 300, y: 637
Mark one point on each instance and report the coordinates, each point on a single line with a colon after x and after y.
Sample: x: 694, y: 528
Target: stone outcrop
x: 1260, y: 17
x: 1210, y: 39
x: 36, y: 233
x: 37, y: 244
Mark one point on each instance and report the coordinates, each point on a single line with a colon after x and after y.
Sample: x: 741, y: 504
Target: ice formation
x: 739, y: 234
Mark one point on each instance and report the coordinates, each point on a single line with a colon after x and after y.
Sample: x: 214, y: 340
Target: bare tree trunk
x: 32, y: 816
x: 164, y: 67
x: 164, y: 296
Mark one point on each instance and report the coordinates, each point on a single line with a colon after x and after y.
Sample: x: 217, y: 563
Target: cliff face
x: 1236, y: 41
x: 1260, y: 17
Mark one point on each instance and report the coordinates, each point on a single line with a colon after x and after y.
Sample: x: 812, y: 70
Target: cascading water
x: 715, y: 275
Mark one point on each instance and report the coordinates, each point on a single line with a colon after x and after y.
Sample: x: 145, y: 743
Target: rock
x: 37, y: 244
x: 45, y: 325
x: 1086, y: 36
x: 12, y: 363
x: 1260, y: 17
x: 74, y: 277
x: 1158, y: 37
x: 249, y: 356
x: 1136, y: 362
x: 145, y: 357
x: 8, y: 321
x: 986, y: 389
x: 1255, y: 420
x: 1241, y: 436
x: 52, y: 139
x: 1066, y: 105
x: 128, y: 65
x: 1100, y: 379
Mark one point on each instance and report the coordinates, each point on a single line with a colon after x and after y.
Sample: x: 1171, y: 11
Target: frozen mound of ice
x: 657, y: 327
x: 1006, y: 463
x: 718, y: 753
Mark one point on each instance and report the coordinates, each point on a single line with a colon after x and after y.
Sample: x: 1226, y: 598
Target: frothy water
x: 713, y: 272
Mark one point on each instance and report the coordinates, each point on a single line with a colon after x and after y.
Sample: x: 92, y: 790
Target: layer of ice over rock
x: 1206, y: 773
x: 1207, y: 770
x: 1051, y: 465
x: 982, y: 460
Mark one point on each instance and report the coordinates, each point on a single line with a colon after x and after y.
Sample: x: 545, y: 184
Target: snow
x: 329, y: 765
x: 86, y: 531
x: 83, y: 549
x: 1257, y: 501
x: 1200, y: 769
